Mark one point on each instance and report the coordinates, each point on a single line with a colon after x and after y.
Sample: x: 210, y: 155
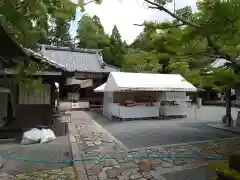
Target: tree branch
x: 217, y: 49
x: 211, y: 43
x: 88, y: 2
x: 164, y: 26
x: 161, y: 8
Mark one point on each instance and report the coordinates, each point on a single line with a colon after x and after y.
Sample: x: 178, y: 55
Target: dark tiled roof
x: 44, y: 59
x: 76, y: 59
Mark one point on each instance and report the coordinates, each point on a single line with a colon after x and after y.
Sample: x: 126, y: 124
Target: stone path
x: 93, y: 141
x: 67, y: 173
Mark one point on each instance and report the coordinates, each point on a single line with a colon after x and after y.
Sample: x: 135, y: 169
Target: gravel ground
x: 142, y: 133
x: 59, y: 149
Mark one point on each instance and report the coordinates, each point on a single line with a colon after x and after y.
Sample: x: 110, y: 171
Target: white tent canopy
x: 220, y: 62
x: 100, y: 88
x: 121, y: 81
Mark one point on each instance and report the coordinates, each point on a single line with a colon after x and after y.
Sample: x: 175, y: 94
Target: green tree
x: 141, y: 61
x: 28, y: 21
x: 116, y: 48
x: 116, y: 38
x: 90, y: 33
x: 217, y: 22
x: 60, y: 33
x: 172, y: 42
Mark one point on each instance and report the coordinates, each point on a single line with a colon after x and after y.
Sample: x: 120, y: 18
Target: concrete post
x: 238, y: 119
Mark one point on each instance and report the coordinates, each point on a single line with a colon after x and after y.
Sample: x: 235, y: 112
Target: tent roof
x: 120, y: 81
x: 100, y: 88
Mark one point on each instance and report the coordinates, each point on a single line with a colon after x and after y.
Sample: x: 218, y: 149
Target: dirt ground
x: 59, y: 149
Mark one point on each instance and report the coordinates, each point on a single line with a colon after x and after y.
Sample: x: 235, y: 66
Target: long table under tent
x: 138, y: 95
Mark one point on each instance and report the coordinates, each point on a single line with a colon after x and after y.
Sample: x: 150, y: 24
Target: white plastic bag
x: 47, y: 136
x: 31, y: 136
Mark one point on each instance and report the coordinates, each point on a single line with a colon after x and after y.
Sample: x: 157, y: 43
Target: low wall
x: 30, y: 116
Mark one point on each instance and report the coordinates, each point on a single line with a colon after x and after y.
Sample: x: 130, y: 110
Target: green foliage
x: 185, y: 13
x: 60, y: 35
x: 31, y: 21
x: 225, y: 78
x: 25, y: 70
x: 28, y: 20
x: 91, y: 35
x: 141, y: 61
x: 117, y: 48
x: 223, y: 167
x: 193, y: 40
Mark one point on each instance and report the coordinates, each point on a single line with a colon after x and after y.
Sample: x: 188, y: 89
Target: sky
x: 126, y: 13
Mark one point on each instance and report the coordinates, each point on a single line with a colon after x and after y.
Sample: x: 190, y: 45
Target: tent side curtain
x: 100, y: 88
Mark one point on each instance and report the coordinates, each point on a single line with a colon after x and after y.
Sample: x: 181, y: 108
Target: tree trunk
x: 228, y: 107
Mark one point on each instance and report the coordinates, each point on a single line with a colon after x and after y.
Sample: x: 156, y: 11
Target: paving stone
x: 128, y: 166
x: 163, y: 170
x: 155, y: 175
x: 156, y: 162
x: 102, y: 175
x: 135, y: 176
x: 110, y: 162
x: 93, y: 177
x: 112, y: 173
x: 167, y: 164
x: 146, y: 175
x: 44, y: 175
x: 144, y: 167
x: 56, y: 171
x: 117, y: 166
x: 55, y: 174
x: 22, y: 176
x: 106, y: 168
x: 53, y: 177
x: 95, y: 170
x: 180, y: 162
x: 98, y: 142
x: 39, y: 178
x: 126, y: 173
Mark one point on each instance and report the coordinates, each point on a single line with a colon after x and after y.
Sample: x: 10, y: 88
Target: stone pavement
x: 66, y: 173
x: 94, y: 141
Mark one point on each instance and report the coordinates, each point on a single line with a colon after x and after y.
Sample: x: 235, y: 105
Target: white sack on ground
x: 47, y: 136
x: 35, y: 136
x: 31, y: 136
